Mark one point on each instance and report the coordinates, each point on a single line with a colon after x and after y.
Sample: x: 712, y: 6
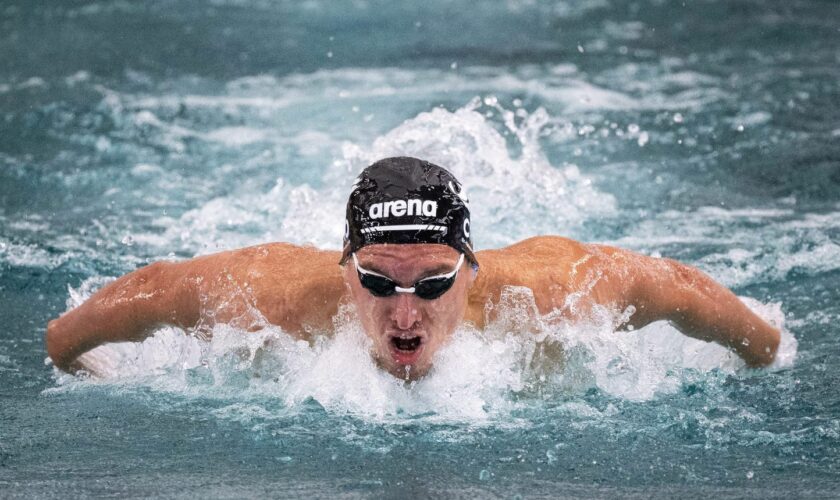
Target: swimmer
x: 409, y: 270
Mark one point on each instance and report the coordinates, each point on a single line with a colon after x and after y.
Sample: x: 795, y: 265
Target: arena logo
x: 400, y: 208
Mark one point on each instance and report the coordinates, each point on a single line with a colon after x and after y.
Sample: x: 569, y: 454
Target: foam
x: 510, y: 193
x: 25, y: 255
x: 559, y: 85
x: 769, y: 243
x: 480, y: 377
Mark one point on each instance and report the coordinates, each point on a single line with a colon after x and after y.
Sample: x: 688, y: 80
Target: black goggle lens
x: 434, y: 288
x: 425, y: 289
x: 378, y: 286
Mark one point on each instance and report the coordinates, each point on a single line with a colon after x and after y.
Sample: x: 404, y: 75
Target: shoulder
x: 292, y: 286
x: 286, y: 268
x: 296, y: 287
x: 553, y: 267
x: 539, y: 249
x: 547, y: 265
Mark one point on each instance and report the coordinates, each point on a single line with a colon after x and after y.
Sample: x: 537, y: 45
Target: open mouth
x: 409, y: 344
x: 406, y: 347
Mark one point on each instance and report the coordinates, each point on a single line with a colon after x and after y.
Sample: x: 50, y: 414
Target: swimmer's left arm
x: 664, y: 289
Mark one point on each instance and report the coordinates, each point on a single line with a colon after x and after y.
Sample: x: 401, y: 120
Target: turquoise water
x: 706, y: 132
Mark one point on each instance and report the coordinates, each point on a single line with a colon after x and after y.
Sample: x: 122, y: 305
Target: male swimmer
x: 409, y: 270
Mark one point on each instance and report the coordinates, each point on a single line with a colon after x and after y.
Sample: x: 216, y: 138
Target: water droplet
x: 128, y: 240
x: 750, y: 474
x: 454, y: 65
x: 329, y: 54
x: 745, y: 342
x: 484, y: 475
x: 643, y: 139
x: 491, y: 100
x: 678, y: 118
x: 633, y: 128
x: 580, y: 49
x: 740, y: 128
x: 550, y: 456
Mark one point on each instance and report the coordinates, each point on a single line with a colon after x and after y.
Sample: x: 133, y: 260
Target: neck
x: 481, y: 291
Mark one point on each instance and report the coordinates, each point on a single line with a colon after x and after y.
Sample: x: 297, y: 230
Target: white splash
x: 510, y: 193
x: 478, y: 377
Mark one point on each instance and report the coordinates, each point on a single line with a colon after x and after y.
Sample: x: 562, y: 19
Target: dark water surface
x: 706, y: 131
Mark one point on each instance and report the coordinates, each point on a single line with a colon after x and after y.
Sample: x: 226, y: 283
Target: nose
x: 406, y: 313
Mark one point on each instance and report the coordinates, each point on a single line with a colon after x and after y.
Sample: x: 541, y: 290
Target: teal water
x: 706, y: 132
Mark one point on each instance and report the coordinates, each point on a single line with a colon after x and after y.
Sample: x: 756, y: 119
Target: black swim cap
x: 405, y: 200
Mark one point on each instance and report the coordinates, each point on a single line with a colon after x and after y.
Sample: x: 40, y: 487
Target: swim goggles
x: 428, y: 288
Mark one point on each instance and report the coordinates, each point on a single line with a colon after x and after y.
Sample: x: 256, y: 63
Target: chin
x: 402, y: 370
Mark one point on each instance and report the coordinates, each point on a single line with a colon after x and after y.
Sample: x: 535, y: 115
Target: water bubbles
x: 128, y: 240
x: 750, y: 474
x: 643, y: 139
x: 678, y: 118
x: 491, y: 100
x: 586, y: 130
x: 580, y: 48
x: 329, y: 54
x: 551, y: 456
x: 484, y: 475
x: 632, y: 128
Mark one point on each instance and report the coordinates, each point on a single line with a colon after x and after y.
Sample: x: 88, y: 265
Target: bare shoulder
x: 295, y: 287
x: 537, y: 254
x: 548, y: 265
x: 554, y: 267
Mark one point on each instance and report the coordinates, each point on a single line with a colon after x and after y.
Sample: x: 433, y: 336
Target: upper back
x: 295, y: 287
x: 550, y: 266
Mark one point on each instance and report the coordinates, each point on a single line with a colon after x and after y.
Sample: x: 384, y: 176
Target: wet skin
x: 300, y: 289
x: 403, y: 316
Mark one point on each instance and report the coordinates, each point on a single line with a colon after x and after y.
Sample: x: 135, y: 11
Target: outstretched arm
x: 296, y: 288
x: 129, y: 309
x: 664, y: 289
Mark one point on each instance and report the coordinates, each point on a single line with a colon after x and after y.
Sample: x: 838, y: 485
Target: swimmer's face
x: 407, y: 330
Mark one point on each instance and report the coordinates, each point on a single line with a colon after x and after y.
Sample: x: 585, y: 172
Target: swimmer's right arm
x: 128, y: 309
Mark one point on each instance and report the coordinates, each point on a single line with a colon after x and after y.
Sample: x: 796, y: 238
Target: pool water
x: 703, y: 131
